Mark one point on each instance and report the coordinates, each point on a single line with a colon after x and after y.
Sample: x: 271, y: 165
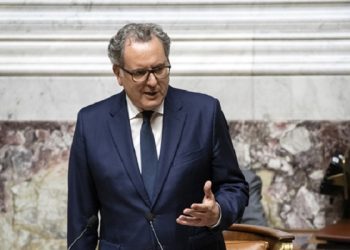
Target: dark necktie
x: 149, y: 158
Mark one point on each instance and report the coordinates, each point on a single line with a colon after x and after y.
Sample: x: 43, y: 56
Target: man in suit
x: 254, y: 213
x: 156, y: 163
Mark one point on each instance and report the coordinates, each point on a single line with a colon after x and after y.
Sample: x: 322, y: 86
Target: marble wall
x: 33, y: 188
x: 291, y: 158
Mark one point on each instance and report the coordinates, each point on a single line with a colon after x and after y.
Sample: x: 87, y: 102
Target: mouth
x: 151, y: 93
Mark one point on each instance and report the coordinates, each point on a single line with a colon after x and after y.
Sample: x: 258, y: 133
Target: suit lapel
x: 173, y: 123
x: 119, y: 126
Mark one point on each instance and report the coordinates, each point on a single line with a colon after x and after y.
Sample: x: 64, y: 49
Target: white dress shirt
x: 136, y: 119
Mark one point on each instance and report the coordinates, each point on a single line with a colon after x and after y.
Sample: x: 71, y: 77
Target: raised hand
x: 202, y: 214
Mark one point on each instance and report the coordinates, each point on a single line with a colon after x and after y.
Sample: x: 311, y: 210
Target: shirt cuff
x: 219, y: 220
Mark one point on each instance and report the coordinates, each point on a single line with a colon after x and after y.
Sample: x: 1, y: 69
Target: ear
x: 116, y: 71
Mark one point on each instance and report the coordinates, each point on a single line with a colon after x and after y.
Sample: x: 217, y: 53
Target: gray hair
x: 139, y: 32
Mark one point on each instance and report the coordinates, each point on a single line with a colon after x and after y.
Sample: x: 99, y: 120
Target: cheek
x: 134, y: 91
x: 121, y: 82
x: 164, y: 88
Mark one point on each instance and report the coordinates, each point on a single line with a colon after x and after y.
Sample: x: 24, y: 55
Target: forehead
x: 144, y: 54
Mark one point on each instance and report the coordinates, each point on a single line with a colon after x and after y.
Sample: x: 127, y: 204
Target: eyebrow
x: 157, y: 66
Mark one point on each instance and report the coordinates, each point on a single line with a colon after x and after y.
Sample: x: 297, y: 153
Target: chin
x: 151, y: 104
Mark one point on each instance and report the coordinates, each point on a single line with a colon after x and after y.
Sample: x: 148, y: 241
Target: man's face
x: 138, y: 56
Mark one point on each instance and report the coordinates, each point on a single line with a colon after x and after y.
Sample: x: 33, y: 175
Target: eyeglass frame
x: 149, y: 71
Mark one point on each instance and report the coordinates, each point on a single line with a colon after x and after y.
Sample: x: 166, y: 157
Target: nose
x: 151, y: 80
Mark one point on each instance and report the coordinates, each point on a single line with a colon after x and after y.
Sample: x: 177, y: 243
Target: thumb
x: 208, y: 194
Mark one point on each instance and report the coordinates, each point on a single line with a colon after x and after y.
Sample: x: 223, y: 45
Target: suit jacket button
x: 149, y: 216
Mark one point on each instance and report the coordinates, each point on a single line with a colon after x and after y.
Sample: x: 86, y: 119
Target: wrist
x: 217, y: 210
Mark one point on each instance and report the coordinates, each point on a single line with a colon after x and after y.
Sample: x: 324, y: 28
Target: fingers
x: 192, y: 217
x: 201, y: 214
x: 189, y: 221
x: 198, y: 211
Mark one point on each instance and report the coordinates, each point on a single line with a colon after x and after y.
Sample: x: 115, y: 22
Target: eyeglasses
x: 141, y: 75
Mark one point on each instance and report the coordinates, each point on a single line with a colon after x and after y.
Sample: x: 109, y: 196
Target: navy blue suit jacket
x: 254, y: 213
x: 104, y: 176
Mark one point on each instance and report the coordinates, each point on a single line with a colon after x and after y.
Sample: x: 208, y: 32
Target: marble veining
x: 290, y: 157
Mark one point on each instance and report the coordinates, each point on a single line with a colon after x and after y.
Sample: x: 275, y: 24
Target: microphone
x: 91, y: 224
x: 150, y: 217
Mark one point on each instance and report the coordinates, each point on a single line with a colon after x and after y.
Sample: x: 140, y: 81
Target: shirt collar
x: 134, y: 112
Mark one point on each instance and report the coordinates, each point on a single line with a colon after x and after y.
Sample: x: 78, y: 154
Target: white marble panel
x: 60, y: 98
x: 242, y: 98
x: 51, y: 98
x: 302, y: 98
x: 234, y: 93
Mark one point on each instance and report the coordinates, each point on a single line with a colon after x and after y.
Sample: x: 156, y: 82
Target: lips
x: 151, y: 93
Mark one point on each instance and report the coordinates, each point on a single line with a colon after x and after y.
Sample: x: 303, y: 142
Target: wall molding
x: 210, y: 38
x: 163, y: 2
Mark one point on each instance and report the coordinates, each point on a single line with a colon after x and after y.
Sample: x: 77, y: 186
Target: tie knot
x: 147, y: 115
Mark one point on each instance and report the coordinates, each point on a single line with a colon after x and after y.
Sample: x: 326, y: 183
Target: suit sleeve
x: 254, y: 213
x: 229, y: 185
x: 82, y: 198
